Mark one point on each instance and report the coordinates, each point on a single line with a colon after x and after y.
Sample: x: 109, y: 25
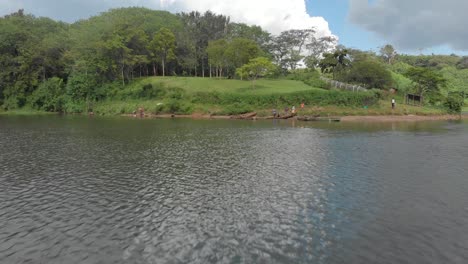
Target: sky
x: 412, y: 26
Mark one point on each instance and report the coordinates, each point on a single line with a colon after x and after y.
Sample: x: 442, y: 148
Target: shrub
x: 74, y: 106
x: 308, y: 76
x: 371, y: 74
x: 81, y: 87
x: 454, y: 104
x: 173, y: 106
x: 315, y: 97
x: 49, y: 96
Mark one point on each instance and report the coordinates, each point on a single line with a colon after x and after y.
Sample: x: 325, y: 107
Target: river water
x: 115, y: 190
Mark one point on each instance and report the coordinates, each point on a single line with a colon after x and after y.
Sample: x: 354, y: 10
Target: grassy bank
x: 25, y: 111
x: 181, y: 95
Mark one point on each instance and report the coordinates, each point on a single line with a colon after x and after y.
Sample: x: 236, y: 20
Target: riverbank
x: 366, y: 119
x: 342, y: 118
x: 402, y: 118
x: 210, y: 97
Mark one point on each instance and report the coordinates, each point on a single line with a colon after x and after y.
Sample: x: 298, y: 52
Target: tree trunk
x: 154, y: 69
x: 203, y: 69
x: 210, y: 71
x: 164, y: 67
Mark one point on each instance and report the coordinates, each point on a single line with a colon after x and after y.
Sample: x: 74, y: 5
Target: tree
x: 203, y: 29
x: 317, y: 47
x: 256, y: 68
x: 462, y: 63
x: 369, y: 73
x: 163, y: 46
x: 25, y: 60
x: 240, y: 51
x: 328, y: 63
x: 186, y: 53
x: 49, y: 96
x: 116, y: 50
x: 335, y: 62
x: 426, y: 80
x: 356, y: 55
x: 454, y: 103
x: 288, y: 47
x: 388, y: 53
x: 217, y: 55
x: 254, y: 33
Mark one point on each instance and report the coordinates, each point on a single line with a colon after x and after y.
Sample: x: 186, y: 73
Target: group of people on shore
x: 286, y: 110
x: 140, y: 112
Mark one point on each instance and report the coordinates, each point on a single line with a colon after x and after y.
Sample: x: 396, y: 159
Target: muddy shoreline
x: 376, y: 118
x: 402, y: 118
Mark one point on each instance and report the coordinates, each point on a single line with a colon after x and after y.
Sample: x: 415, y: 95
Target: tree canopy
x: 426, y: 80
x: 258, y: 67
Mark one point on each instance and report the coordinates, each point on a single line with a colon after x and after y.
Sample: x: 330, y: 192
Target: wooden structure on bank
x: 414, y: 99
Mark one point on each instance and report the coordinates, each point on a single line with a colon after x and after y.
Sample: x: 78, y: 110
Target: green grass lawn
x: 262, y: 86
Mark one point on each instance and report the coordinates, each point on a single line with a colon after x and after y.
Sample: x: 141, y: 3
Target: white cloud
x: 273, y: 15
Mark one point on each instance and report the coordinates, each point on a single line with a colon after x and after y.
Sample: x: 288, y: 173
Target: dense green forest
x: 54, y: 66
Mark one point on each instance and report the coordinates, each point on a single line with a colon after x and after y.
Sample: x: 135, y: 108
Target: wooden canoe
x: 318, y: 118
x: 245, y: 116
x: 283, y: 116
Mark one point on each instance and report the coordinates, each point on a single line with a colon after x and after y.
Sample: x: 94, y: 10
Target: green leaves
x: 240, y: 51
x: 426, y: 80
x: 454, y: 103
x: 49, y: 96
x: 257, y: 67
x: 370, y: 74
x: 163, y: 46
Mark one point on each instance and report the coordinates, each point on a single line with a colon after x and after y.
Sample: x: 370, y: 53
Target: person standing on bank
x: 393, y: 103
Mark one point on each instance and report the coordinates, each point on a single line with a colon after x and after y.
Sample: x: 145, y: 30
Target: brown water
x: 95, y: 190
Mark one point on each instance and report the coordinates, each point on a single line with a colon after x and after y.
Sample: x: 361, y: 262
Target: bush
x: 314, y: 97
x: 308, y: 76
x: 370, y: 74
x: 236, y: 109
x: 454, y: 104
x: 49, y: 96
x: 74, y: 106
x: 81, y: 87
x: 173, y: 106
x: 175, y: 93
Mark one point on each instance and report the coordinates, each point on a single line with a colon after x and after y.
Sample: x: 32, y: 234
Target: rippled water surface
x: 84, y: 190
